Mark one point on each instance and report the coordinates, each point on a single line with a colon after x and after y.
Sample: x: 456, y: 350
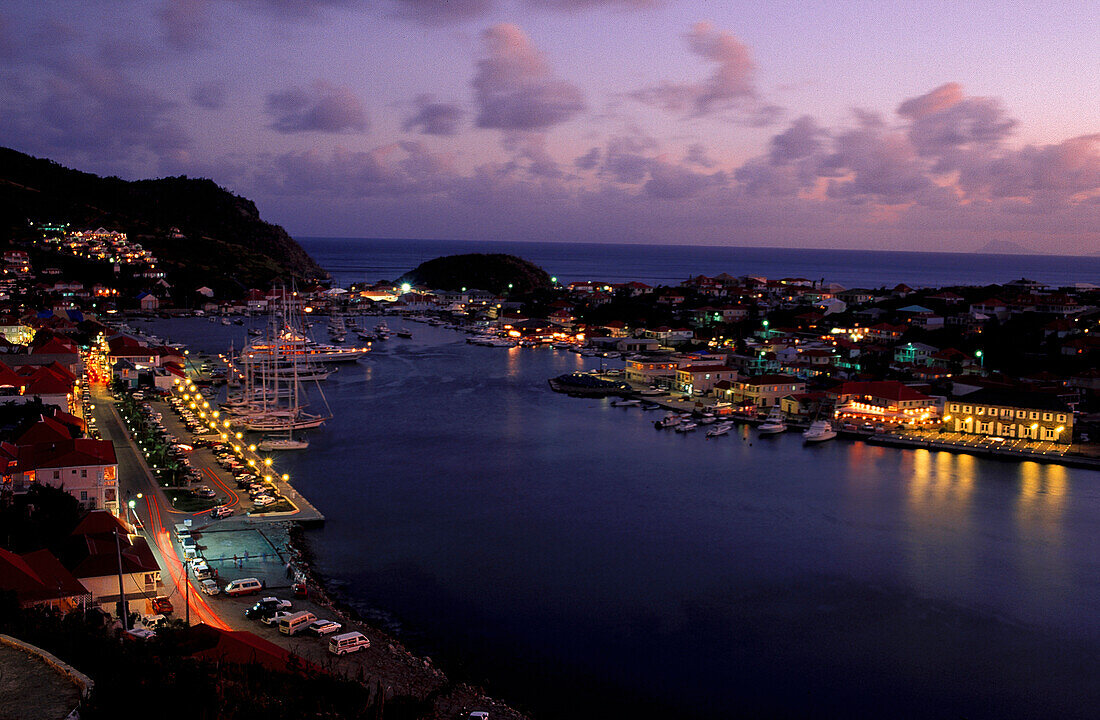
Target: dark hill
x: 226, y: 245
x: 477, y: 270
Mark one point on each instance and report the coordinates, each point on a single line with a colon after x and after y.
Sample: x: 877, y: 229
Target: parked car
x: 210, y: 587
x: 323, y: 627
x: 266, y: 606
x: 221, y: 511
x: 140, y: 634
x: 275, y: 617
x: 265, y: 500
x: 205, y: 492
x: 162, y: 605
x: 243, y: 586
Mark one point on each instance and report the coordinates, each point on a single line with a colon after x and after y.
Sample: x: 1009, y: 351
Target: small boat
x: 686, y: 427
x: 650, y: 406
x: 625, y: 403
x: 774, y: 424
x: 820, y: 431
x: 669, y: 420
x: 718, y: 430
x: 707, y: 419
x: 652, y: 392
x: 405, y: 333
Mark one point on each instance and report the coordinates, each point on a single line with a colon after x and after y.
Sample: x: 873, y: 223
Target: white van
x: 182, y: 531
x: 296, y: 622
x: 243, y: 586
x: 347, y: 643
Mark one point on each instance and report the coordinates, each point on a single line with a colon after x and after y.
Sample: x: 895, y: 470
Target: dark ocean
x: 366, y: 259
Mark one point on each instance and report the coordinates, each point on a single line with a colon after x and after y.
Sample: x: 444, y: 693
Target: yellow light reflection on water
x: 1040, y: 523
x: 940, y: 544
x: 514, y: 354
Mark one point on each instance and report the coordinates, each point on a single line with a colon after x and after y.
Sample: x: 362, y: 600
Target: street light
x: 981, y: 357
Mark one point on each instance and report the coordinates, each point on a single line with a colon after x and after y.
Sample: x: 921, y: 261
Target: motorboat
x: 686, y: 427
x: 819, y: 431
x: 669, y: 420
x: 774, y: 424
x: 625, y: 403
x: 718, y: 430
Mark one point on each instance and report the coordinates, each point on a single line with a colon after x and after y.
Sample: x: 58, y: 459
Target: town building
x: 1010, y: 414
x: 763, y: 391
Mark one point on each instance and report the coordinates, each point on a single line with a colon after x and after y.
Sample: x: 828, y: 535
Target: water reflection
x: 514, y: 366
x: 1039, y: 524
x: 941, y: 542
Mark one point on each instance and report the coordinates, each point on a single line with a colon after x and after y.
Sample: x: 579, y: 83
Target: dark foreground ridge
x: 201, y: 233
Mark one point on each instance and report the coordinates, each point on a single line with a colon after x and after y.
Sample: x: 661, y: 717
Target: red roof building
x: 39, y: 578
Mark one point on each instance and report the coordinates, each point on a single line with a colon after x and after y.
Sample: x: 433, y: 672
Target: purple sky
x: 903, y: 125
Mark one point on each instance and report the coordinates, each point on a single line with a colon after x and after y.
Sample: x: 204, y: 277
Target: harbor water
x: 580, y: 563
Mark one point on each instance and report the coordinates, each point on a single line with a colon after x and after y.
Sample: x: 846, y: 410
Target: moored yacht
x: 774, y: 424
x: 819, y: 431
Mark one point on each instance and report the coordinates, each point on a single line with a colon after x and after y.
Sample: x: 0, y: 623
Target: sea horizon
x: 357, y: 260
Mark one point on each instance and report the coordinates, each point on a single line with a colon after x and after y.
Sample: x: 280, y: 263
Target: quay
x: 1013, y: 451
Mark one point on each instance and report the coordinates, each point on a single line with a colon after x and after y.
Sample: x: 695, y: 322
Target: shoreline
x: 889, y: 439
x: 446, y: 695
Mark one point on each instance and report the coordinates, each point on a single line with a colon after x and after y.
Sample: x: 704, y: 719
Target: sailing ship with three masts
x: 276, y: 367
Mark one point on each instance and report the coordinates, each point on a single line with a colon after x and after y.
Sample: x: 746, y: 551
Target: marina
x: 860, y: 547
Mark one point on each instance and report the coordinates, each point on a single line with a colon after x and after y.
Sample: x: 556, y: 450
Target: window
x: 1033, y: 415
x: 1061, y: 418
x: 954, y: 407
x: 83, y: 473
x: 83, y: 496
x: 1021, y: 414
x: 56, y: 474
x: 1047, y: 416
x: 966, y: 409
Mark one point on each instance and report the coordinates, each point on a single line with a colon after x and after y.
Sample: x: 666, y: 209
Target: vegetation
x: 226, y: 246
x: 158, y: 675
x: 41, y: 518
x: 497, y: 273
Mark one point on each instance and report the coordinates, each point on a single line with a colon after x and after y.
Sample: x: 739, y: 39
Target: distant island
x: 200, y: 233
x: 496, y: 273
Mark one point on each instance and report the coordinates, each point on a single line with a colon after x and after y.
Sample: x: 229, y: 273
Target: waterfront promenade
x: 259, y: 546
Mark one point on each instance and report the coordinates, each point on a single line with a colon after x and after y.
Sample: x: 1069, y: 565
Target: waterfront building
x: 884, y: 400
x: 701, y: 379
x: 763, y: 390
x: 1010, y: 414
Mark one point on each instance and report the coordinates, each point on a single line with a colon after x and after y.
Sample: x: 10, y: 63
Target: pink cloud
x: 730, y: 85
x: 515, y: 87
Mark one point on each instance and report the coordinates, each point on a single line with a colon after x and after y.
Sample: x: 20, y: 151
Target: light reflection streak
x: 941, y: 542
x: 1039, y: 522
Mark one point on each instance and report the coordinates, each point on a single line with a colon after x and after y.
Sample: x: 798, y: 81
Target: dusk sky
x: 892, y: 125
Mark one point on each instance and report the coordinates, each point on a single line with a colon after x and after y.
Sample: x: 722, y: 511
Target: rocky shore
x: 397, y: 671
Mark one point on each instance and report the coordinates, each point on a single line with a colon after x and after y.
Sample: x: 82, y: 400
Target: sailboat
x: 269, y: 380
